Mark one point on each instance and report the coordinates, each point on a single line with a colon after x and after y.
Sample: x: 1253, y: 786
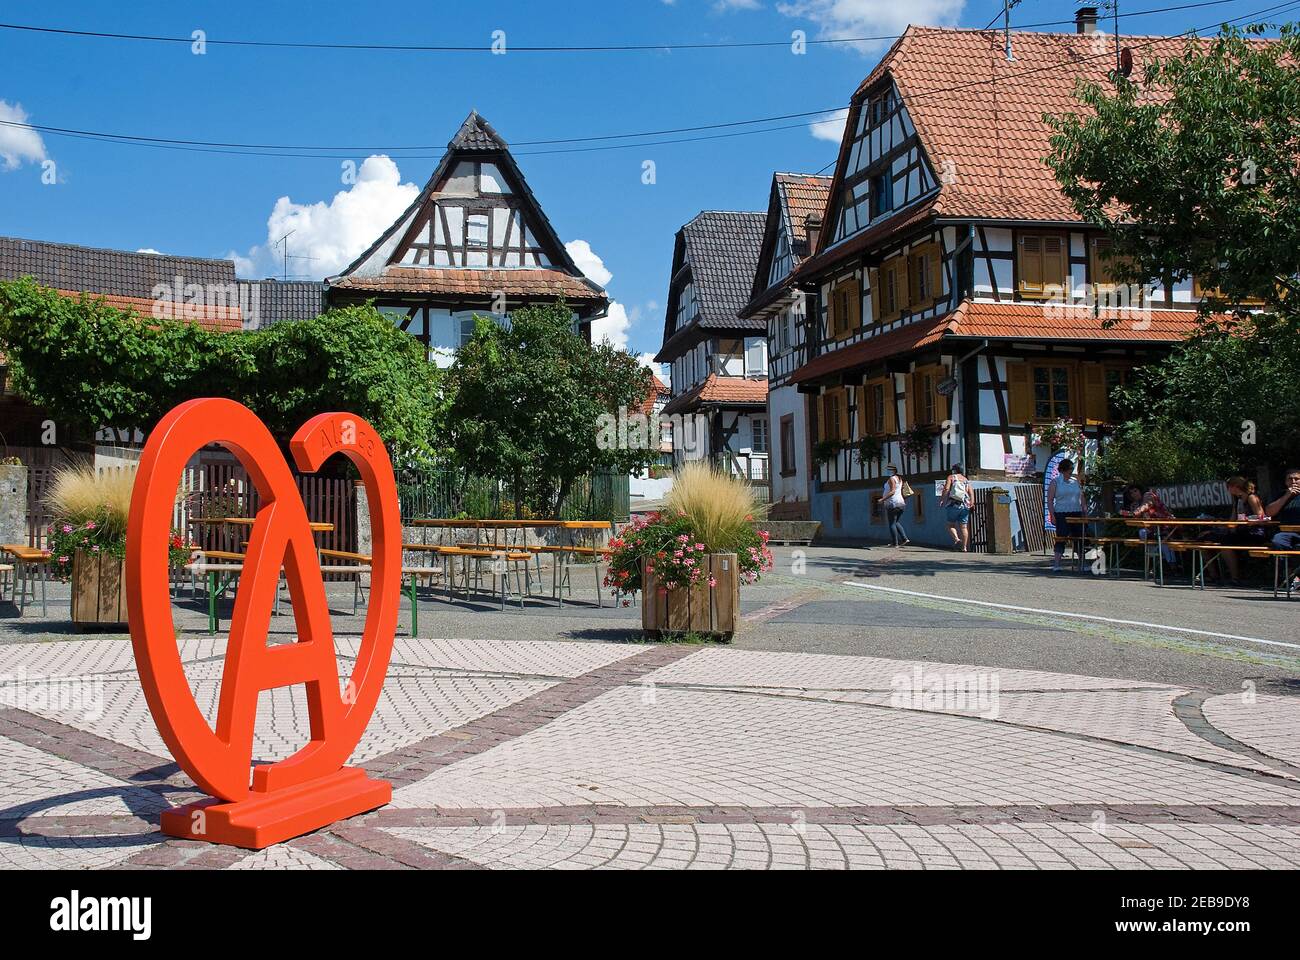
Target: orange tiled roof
x: 905, y: 339
x: 1036, y: 321
x: 460, y: 281
x: 976, y: 319
x: 722, y: 390
x: 983, y: 113
x: 219, y: 318
x: 805, y: 196
x: 657, y: 390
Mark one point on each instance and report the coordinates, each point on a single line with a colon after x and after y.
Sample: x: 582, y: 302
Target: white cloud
x: 19, y: 143
x: 662, y: 371
x: 840, y: 19
x: 245, y: 266
x: 157, y: 253
x: 614, y: 326
x: 334, y: 234
x: 832, y: 128
x: 591, y: 265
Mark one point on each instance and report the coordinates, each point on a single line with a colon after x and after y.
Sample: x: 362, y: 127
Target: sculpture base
x: 265, y: 819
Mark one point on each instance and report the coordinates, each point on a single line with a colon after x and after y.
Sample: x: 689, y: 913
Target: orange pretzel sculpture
x: 311, y: 788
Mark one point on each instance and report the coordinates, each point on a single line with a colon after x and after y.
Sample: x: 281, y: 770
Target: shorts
x: 957, y: 513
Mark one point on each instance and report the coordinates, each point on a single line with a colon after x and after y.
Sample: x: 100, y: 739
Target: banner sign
x: 1019, y: 465
x: 1049, y: 477
x: 1187, y: 496
x: 311, y: 788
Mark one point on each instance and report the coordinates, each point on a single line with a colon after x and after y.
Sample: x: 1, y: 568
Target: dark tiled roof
x: 278, y: 300
x: 476, y: 134
x: 121, y: 273
x: 565, y: 279
x: 722, y: 249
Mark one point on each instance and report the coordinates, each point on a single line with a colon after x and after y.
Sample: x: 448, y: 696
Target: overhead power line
x: 288, y: 151
x: 523, y: 48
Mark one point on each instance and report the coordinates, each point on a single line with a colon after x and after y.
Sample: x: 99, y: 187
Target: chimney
x: 1085, y: 20
x: 814, y: 227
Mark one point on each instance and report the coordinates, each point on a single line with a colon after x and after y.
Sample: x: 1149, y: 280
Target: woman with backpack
x: 895, y: 496
x: 956, y: 505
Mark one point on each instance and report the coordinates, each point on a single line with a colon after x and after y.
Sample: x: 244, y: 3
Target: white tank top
x: 1069, y: 495
x: 894, y: 499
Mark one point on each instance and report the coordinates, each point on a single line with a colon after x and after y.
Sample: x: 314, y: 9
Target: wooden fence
x: 218, y: 488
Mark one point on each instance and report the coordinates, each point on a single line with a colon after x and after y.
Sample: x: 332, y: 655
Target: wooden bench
x: 1199, y: 548
x: 1281, y: 565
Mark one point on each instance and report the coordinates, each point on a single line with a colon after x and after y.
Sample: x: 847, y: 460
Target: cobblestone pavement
x: 542, y: 754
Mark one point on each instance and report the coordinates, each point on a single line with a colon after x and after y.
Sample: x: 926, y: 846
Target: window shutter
x: 855, y: 309
x: 845, y: 432
x: 1101, y: 263
x: 822, y: 420
x: 1095, y: 400
x: 913, y: 279
x: 877, y: 304
x: 891, y: 406
x: 1054, y: 266
x: 909, y: 401
x: 865, y: 394
x: 936, y: 273
x: 1020, y: 393
x: 942, y: 404
x: 1031, y: 265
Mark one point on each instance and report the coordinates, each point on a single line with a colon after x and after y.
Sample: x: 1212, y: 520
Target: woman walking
x: 956, y: 506
x: 1065, y: 503
x: 895, y: 504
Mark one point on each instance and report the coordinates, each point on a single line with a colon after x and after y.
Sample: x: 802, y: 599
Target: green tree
x: 93, y: 365
x: 527, y: 400
x: 1191, y: 169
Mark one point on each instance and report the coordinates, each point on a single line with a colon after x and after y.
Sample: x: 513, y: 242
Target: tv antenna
x: 283, y: 242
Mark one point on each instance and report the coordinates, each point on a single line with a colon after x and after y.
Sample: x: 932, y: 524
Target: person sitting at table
x: 1286, y: 510
x: 1142, y: 503
x: 1245, y: 506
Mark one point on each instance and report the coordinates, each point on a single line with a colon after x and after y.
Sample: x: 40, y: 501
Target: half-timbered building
x: 794, y: 214
x: 960, y: 302
x: 718, y: 359
x: 475, y: 242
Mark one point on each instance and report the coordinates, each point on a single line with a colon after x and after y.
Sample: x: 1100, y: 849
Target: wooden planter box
x: 98, y: 590
x: 697, y: 609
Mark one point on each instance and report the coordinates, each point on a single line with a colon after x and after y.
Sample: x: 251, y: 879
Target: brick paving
x: 516, y: 753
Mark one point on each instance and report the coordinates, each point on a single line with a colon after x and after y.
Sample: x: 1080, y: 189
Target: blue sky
x: 219, y: 204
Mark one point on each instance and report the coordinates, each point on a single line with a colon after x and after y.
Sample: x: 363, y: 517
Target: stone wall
x: 13, y: 504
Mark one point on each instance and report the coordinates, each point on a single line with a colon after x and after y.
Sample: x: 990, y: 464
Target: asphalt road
x: 916, y: 603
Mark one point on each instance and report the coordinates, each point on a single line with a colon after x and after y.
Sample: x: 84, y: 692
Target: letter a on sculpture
x: 312, y: 788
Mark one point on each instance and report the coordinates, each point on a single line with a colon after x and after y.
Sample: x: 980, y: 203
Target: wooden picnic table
x: 24, y: 556
x: 1191, y: 523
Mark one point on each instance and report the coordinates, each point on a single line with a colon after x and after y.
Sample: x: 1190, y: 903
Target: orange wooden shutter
x: 891, y: 406
x: 1031, y: 265
x: 1095, y: 402
x: 1055, y: 272
x: 942, y: 404
x: 855, y: 311
x: 1020, y: 393
x: 909, y: 401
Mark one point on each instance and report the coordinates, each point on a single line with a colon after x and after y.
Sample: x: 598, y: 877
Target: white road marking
x: 1076, y: 616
